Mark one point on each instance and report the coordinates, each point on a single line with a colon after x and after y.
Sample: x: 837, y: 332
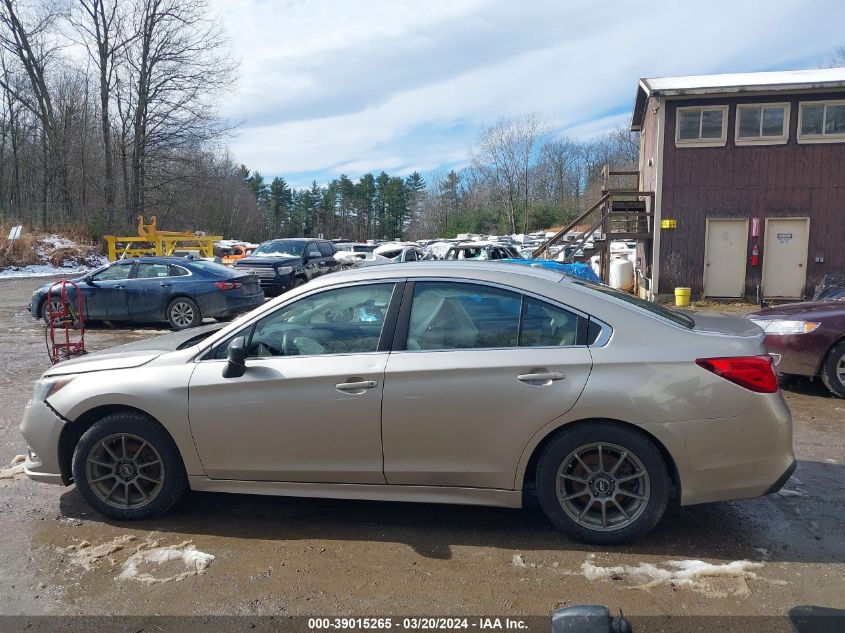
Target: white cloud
x: 330, y: 86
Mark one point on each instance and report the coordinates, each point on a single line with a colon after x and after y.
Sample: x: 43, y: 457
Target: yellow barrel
x: 682, y: 296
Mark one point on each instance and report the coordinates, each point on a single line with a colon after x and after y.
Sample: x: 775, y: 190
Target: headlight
x: 284, y: 270
x: 787, y: 327
x: 46, y: 387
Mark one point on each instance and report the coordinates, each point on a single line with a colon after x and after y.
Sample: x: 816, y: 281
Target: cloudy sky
x: 349, y: 86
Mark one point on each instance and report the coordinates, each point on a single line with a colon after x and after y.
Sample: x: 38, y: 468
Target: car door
x: 308, y: 407
x: 482, y: 370
x: 148, y: 290
x: 311, y: 258
x: 105, y: 292
x: 327, y: 261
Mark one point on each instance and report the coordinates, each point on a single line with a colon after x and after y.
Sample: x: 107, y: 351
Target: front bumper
x: 41, y: 429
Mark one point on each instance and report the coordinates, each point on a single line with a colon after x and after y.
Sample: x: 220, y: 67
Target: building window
x: 821, y: 122
x: 767, y: 123
x: 702, y: 127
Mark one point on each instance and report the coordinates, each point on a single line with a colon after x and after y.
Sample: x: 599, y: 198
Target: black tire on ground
x: 183, y: 313
x: 299, y: 282
x: 226, y: 318
x: 618, y: 439
x: 833, y: 370
x: 139, y: 436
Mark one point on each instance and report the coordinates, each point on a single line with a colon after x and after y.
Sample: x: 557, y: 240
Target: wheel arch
x: 528, y: 475
x: 72, y: 431
x: 827, y: 352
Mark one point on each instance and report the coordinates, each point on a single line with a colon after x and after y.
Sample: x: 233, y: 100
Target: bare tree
x: 28, y: 39
x: 177, y: 65
x: 101, y: 25
x: 503, y: 155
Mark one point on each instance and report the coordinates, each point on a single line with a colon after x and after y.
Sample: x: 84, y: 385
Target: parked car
x: 284, y: 264
x: 438, y: 382
x: 173, y: 289
x: 400, y: 252
x: 482, y: 251
x: 810, y: 339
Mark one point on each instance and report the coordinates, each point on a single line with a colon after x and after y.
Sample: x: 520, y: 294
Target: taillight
x: 227, y: 285
x: 752, y: 372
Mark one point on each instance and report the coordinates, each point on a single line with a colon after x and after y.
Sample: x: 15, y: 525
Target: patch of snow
x: 46, y: 270
x: 691, y: 574
x: 86, y: 556
x: 57, y: 241
x: 16, y: 467
x: 518, y: 561
x: 785, y: 492
x: 193, y: 560
x: 764, y: 552
x: 828, y: 460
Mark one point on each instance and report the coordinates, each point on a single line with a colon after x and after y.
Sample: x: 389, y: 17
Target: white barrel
x: 622, y: 274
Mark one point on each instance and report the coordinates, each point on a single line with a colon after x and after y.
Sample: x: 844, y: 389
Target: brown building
x: 751, y: 169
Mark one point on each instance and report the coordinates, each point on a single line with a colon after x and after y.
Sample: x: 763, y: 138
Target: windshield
x: 674, y: 316
x: 280, y: 248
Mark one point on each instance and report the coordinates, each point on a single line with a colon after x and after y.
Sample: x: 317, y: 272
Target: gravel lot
x: 297, y: 556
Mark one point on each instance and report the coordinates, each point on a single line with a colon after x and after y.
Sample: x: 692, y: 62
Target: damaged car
x: 446, y: 382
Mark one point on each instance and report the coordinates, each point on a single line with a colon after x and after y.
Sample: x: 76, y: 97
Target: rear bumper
x: 741, y: 457
x: 41, y: 429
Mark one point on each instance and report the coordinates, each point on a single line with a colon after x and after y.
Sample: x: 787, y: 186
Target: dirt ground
x: 296, y: 556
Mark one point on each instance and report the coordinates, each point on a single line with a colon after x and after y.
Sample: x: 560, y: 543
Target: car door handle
x: 358, y: 385
x: 545, y: 376
x: 164, y: 285
x: 121, y: 287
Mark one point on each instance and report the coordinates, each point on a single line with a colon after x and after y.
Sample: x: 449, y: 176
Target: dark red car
x: 810, y: 337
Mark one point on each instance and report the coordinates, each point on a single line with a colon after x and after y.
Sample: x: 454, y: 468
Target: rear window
x: 678, y: 318
x: 211, y: 267
x: 326, y: 249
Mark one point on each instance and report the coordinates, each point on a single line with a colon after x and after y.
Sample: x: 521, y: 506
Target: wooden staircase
x: 620, y: 214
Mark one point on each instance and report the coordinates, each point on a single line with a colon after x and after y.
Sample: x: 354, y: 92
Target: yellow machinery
x: 151, y: 241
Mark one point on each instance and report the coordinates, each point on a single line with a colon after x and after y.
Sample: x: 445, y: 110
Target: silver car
x: 434, y: 381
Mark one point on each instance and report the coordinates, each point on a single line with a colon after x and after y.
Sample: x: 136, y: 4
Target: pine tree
x: 281, y: 203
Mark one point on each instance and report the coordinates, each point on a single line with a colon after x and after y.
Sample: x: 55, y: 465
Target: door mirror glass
x: 235, y: 358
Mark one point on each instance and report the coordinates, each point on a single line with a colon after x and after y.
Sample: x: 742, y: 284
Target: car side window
x: 178, y: 271
x: 116, y: 272
x: 326, y: 249
x: 151, y: 271
x: 312, y: 251
x: 462, y: 316
x: 341, y: 321
x: 545, y: 325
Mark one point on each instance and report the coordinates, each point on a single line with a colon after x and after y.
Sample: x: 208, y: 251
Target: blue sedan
x: 173, y: 289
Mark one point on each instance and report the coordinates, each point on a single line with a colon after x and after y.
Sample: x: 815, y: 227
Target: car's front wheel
x: 127, y: 467
x: 833, y: 370
x: 602, y: 483
x: 53, y: 304
x: 183, y: 313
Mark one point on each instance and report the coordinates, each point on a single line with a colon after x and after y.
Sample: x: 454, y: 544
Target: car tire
x: 833, y: 370
x: 55, y: 301
x: 299, y: 281
x: 127, y: 467
x: 618, y: 502
x: 183, y: 313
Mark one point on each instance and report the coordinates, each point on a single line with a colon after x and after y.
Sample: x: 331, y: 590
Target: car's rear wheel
x: 602, y: 483
x: 127, y: 467
x: 183, y: 313
x: 833, y: 370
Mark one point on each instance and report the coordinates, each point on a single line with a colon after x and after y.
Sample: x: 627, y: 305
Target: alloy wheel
x: 182, y: 314
x: 603, y: 487
x: 124, y: 471
x: 840, y: 370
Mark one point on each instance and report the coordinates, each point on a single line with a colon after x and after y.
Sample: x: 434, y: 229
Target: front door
x: 725, y: 251
x: 308, y: 407
x: 105, y: 293
x: 785, y: 257
x: 482, y: 373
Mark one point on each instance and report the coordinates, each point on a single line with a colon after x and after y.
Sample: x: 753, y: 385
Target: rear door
x: 481, y: 370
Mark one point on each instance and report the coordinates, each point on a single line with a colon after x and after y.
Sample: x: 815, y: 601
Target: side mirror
x: 235, y: 358
x: 90, y: 281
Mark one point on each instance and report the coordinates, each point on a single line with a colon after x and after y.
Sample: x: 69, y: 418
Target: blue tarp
x: 575, y: 269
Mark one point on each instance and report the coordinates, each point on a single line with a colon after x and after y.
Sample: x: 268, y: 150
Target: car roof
x: 156, y: 259
x: 466, y: 269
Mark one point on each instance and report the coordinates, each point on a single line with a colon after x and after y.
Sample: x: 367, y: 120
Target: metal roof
x: 734, y: 83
